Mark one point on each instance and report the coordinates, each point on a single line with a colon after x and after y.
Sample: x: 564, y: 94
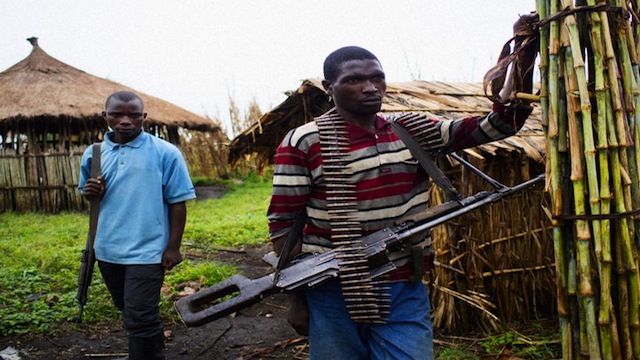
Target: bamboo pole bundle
x: 591, y: 102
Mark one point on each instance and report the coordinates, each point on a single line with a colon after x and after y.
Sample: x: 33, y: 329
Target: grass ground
x: 41, y: 258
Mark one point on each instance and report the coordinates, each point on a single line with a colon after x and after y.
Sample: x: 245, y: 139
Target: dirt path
x: 256, y: 332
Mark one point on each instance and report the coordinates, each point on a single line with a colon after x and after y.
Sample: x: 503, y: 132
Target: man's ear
x: 327, y: 85
x: 144, y: 115
x: 104, y: 114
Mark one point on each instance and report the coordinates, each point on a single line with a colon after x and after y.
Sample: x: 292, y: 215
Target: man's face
x: 125, y: 118
x: 359, y: 88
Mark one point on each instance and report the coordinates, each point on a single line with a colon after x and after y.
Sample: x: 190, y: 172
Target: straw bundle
x: 590, y: 100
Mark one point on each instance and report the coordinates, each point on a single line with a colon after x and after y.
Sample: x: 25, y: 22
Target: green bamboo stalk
x: 579, y: 264
x: 625, y: 283
x: 567, y: 99
x: 627, y: 159
x: 634, y: 126
x: 574, y: 54
x: 601, y: 229
x: 542, y: 8
x: 613, y: 71
x: 636, y: 30
x: 587, y: 293
x: 553, y: 110
x: 617, y: 350
x: 636, y: 149
x: 623, y: 305
x: 622, y: 191
x: 613, y: 162
x: 549, y: 99
x: 624, y: 335
x: 634, y: 299
x: 631, y: 71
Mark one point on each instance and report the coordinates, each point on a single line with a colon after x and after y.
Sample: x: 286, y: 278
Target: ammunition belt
x: 367, y: 299
x: 425, y: 132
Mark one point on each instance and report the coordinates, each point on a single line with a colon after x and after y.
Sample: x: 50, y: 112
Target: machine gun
x: 238, y: 292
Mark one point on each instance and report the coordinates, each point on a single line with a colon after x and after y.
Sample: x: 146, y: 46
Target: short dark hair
x: 125, y: 96
x: 342, y: 55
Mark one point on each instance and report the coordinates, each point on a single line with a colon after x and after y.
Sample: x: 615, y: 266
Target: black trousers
x: 135, y: 290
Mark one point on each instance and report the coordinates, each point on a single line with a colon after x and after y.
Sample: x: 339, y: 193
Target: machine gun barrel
x: 213, y: 303
x: 468, y: 204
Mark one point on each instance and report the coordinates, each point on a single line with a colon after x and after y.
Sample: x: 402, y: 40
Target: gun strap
x: 425, y: 160
x: 293, y: 236
x: 429, y: 138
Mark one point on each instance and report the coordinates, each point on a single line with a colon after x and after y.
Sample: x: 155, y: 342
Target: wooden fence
x: 40, y: 182
x: 47, y: 182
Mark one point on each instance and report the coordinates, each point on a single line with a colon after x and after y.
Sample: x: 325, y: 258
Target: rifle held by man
x: 88, y: 259
x: 238, y: 292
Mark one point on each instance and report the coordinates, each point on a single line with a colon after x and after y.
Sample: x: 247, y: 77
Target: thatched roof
x: 41, y: 86
x: 441, y: 100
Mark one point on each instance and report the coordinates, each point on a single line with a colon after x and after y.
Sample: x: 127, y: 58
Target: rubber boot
x: 146, y: 348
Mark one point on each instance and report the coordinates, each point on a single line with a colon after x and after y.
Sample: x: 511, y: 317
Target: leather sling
x: 425, y: 161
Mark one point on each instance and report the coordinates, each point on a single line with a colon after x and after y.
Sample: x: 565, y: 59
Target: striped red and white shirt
x: 389, y: 182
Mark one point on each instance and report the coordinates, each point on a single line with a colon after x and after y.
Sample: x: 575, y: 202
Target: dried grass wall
x: 494, y: 265
x: 206, y: 153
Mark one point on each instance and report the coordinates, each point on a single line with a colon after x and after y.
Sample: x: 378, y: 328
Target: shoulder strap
x: 425, y: 160
x: 95, y: 161
x: 293, y: 236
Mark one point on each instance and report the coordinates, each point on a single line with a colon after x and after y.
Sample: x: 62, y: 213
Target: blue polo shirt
x: 142, y: 177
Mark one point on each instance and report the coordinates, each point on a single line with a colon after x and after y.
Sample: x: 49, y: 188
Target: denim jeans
x: 408, y: 333
x: 135, y: 291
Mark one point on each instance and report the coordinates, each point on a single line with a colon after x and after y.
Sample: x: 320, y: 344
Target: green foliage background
x: 41, y: 258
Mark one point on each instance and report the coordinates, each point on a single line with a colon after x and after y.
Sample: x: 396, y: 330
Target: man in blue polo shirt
x: 143, y: 189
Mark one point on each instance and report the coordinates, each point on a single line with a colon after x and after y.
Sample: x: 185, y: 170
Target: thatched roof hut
x: 42, y: 95
x: 492, y: 265
x: 49, y: 112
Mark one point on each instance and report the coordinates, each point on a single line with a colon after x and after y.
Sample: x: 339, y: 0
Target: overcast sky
x: 196, y: 54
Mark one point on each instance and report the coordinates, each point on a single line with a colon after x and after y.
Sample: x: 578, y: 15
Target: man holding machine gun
x: 352, y: 175
x: 143, y: 189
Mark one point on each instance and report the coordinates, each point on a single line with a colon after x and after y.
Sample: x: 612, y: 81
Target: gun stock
x: 206, y: 305
x: 238, y: 292
x: 210, y: 304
